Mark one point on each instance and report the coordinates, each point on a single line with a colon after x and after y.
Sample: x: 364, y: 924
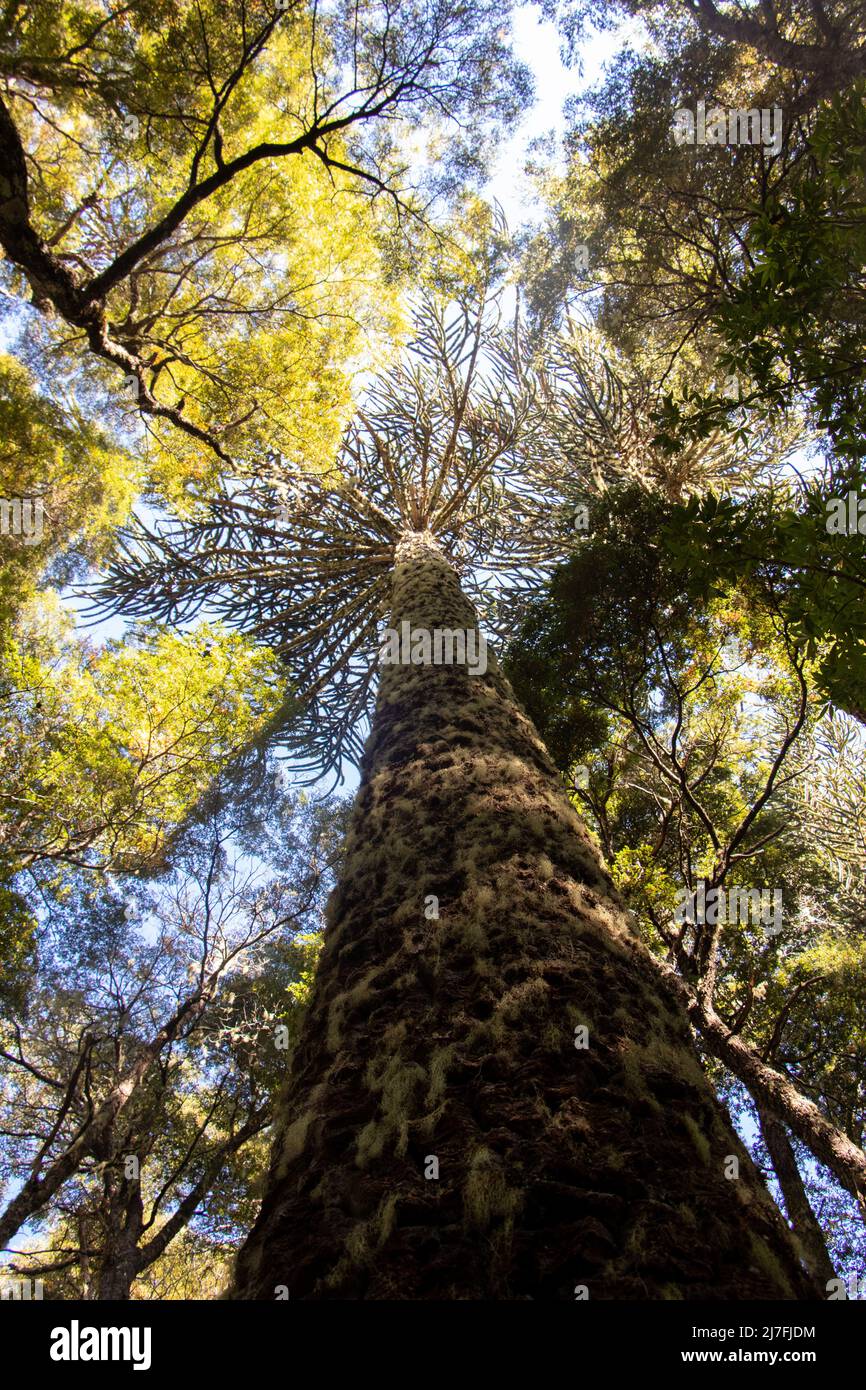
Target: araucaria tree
x: 493, y: 1096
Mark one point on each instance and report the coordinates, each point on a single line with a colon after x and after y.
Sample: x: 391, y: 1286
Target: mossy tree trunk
x: 445, y: 1133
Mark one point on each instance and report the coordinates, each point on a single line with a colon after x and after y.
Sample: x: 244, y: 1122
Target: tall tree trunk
x: 445, y: 1134
x: 800, y: 1214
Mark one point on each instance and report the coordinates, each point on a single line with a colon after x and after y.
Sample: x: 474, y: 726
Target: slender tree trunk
x: 773, y: 1089
x: 446, y: 1134
x: 800, y: 1214
x: 84, y: 1263
x: 40, y: 1187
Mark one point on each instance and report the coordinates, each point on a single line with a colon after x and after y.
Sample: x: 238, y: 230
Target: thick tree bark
x: 449, y: 1044
x: 800, y: 1214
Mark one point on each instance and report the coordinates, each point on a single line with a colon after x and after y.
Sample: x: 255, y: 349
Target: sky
x: 537, y: 44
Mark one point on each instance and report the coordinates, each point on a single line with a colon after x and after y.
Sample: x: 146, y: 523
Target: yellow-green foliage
x: 17, y: 948
x: 86, y: 483
x: 639, y: 871
x: 287, y: 299
x: 115, y: 744
x: 306, y: 949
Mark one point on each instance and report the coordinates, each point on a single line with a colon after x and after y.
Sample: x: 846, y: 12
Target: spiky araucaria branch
x: 303, y: 562
x: 600, y: 421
